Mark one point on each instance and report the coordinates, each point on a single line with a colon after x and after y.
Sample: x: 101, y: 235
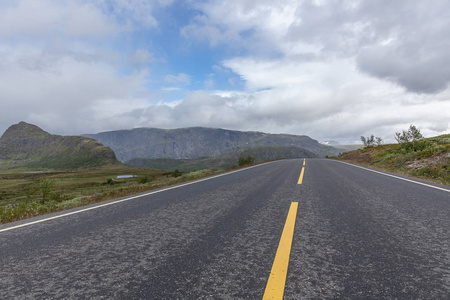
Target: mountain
x: 197, y: 142
x: 28, y: 145
x: 223, y: 161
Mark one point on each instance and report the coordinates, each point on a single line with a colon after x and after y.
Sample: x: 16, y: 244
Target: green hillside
x: 429, y: 160
x: 26, y: 145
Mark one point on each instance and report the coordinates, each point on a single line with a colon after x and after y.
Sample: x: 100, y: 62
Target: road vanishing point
x: 289, y: 229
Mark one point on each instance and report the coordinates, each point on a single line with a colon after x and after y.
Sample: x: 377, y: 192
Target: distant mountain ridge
x: 223, y: 161
x: 28, y: 145
x: 197, y: 142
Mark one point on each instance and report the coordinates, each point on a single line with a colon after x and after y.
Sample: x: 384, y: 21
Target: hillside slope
x: 197, y: 142
x: 28, y: 145
x: 223, y: 161
x: 430, y: 161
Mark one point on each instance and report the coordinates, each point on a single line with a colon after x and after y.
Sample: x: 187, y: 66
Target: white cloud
x: 404, y: 42
x: 52, y: 90
x: 132, y: 14
x: 363, y: 107
x: 242, y: 23
x: 310, y: 71
x: 329, y: 69
x: 76, y: 18
x: 180, y: 78
x: 49, y: 18
x: 60, y: 68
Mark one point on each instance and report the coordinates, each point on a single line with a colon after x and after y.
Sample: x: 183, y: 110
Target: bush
x: 58, y: 197
x: 46, y: 187
x: 143, y: 180
x: 109, y: 181
x: 246, y: 160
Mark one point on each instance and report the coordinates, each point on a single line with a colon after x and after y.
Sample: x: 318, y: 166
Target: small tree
x: 415, y: 135
x: 402, y: 137
x: 409, y: 137
x: 371, y: 141
x: 379, y: 141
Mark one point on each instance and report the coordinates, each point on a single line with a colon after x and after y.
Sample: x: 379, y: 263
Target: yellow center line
x: 277, y: 278
x: 300, y: 179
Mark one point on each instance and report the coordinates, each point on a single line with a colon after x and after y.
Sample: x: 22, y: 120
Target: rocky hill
x: 223, y: 161
x: 198, y: 142
x: 28, y: 145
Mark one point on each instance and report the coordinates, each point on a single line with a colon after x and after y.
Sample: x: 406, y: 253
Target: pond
x: 125, y: 176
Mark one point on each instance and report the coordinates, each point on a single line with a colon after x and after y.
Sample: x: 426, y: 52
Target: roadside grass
x: 26, y: 193
x: 430, y: 161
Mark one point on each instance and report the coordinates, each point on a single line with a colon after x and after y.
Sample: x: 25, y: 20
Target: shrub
x: 246, y: 160
x: 109, y: 181
x: 46, y: 187
x: 30, y: 191
x: 143, y: 180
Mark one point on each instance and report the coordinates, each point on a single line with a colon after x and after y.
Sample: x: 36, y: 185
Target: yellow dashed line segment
x: 277, y: 279
x: 300, y: 179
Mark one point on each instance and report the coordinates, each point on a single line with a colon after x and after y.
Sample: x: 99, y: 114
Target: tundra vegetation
x: 414, y: 155
x: 25, y: 193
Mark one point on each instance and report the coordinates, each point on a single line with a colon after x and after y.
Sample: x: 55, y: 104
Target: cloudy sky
x: 333, y: 70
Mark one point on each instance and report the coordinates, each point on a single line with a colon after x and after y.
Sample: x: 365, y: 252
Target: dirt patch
x: 439, y: 159
x: 357, y: 157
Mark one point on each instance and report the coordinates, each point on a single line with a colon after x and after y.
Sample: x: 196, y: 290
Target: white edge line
x: 130, y: 198
x: 398, y: 177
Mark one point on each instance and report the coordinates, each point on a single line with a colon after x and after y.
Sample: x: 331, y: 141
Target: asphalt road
x: 358, y: 235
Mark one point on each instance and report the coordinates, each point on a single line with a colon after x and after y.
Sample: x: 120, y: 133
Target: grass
x: 26, y: 193
x: 430, y: 158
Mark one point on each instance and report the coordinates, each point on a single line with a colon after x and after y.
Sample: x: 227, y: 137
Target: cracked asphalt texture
x: 358, y: 235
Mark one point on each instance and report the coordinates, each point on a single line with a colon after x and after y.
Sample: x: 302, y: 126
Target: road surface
x: 356, y: 234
